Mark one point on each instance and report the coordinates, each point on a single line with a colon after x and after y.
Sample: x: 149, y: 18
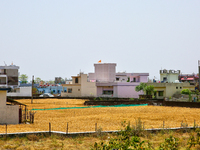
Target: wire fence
x: 94, y: 127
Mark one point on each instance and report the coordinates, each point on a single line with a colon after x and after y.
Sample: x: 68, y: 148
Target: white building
x: 170, y: 76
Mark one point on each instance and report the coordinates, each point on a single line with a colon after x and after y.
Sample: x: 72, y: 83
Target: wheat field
x: 110, y: 118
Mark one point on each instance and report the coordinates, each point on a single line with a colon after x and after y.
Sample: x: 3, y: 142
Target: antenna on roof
x: 5, y: 63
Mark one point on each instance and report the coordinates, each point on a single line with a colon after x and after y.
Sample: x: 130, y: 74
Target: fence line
x: 96, y: 131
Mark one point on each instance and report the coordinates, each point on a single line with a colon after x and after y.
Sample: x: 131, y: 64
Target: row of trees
x: 24, y: 79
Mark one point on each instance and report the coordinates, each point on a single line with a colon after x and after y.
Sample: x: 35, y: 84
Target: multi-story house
x: 169, y: 84
x: 9, y: 76
x: 169, y: 76
x: 105, y: 82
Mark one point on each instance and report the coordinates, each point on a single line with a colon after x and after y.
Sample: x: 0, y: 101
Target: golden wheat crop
x: 109, y: 118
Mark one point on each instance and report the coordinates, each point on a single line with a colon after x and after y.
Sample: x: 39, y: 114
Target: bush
x: 32, y: 137
x: 125, y: 139
x: 170, y: 143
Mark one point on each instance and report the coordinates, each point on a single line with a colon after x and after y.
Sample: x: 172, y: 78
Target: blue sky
x: 51, y: 38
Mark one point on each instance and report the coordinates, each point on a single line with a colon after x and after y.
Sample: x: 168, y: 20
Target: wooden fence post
x: 6, y: 130
x: 194, y: 124
x: 143, y: 125
x: 49, y: 128
x: 67, y: 131
x: 95, y: 127
x: 163, y: 124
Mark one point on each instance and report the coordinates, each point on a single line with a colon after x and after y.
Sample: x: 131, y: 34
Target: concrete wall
x: 76, y: 90
x: 12, y: 72
x: 3, y: 98
x: 171, y: 77
x: 87, y: 88
x: 91, y: 76
x: 144, y: 78
x: 23, y: 91
x: 105, y: 72
x: 8, y: 113
x: 126, y: 90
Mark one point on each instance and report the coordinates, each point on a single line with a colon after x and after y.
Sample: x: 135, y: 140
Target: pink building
x: 112, y: 84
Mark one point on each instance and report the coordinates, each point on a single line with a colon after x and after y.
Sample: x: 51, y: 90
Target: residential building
x: 49, y: 88
x: 170, y: 84
x: 191, y: 78
x: 79, y: 87
x: 112, y: 84
x: 166, y: 90
x: 9, y: 76
x: 105, y: 82
x: 169, y: 76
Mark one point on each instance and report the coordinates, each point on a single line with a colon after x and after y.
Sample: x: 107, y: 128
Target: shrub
x: 32, y: 137
x: 170, y: 143
x: 125, y: 139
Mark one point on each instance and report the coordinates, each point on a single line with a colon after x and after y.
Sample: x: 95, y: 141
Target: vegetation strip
x: 122, y: 105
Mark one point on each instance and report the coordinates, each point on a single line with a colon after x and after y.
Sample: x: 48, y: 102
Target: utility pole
x: 32, y: 90
x: 199, y: 72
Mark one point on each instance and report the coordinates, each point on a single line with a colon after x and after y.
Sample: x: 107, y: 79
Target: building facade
x: 169, y: 76
x: 105, y: 82
x: 167, y: 90
x: 9, y: 76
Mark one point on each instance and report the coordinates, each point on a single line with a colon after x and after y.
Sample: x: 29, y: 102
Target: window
x: 160, y: 93
x: 134, y: 80
x: 78, y: 89
x: 76, y: 80
x: 69, y: 90
x: 180, y: 87
x: 107, y: 92
x: 164, y: 78
x: 177, y: 87
x: 65, y: 89
x: 117, y: 79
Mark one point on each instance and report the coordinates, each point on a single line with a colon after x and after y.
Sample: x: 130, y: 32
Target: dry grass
x: 86, y: 142
x: 107, y: 118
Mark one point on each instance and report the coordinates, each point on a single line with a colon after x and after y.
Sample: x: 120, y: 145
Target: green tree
x: 50, y: 82
x: 140, y: 87
x: 37, y: 80
x: 187, y: 92
x: 147, y: 89
x: 128, y: 80
x: 23, y: 78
